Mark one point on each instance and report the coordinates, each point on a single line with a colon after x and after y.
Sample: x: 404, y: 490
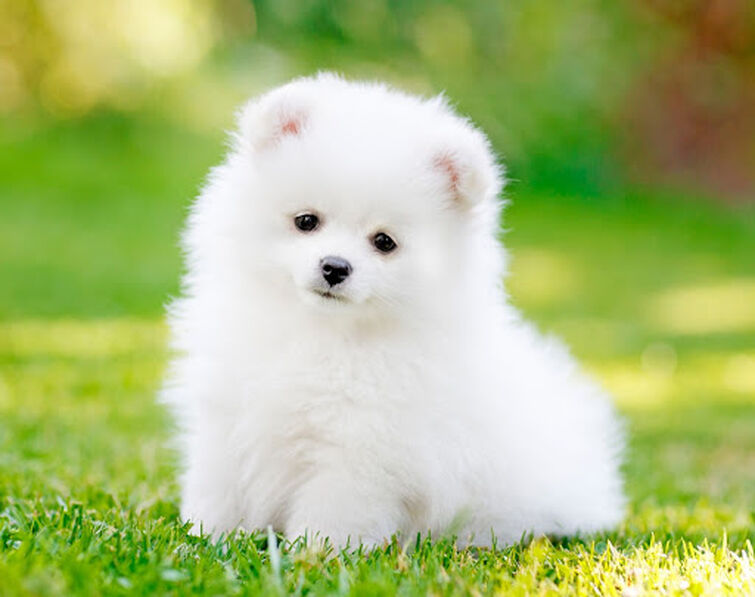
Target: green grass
x: 656, y: 296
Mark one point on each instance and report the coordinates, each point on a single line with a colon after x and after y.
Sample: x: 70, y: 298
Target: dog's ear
x: 281, y: 113
x: 467, y: 168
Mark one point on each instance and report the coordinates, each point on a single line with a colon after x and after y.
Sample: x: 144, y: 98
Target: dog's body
x: 332, y: 382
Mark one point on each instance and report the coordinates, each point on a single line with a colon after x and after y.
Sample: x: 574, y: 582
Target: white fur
x: 419, y: 403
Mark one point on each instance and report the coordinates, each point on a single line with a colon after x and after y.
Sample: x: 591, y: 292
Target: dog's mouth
x: 329, y: 296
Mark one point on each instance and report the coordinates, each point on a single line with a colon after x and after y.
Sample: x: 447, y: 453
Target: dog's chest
x: 346, y: 374
x: 342, y: 396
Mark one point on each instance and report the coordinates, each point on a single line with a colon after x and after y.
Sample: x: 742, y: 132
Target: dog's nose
x: 334, y: 269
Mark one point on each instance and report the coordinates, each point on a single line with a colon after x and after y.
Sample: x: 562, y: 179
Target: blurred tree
x: 70, y: 57
x: 575, y: 95
x: 691, y: 117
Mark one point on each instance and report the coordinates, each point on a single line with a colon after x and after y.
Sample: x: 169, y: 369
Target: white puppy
x: 347, y: 364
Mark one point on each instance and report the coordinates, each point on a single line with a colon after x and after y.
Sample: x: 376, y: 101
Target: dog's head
x: 356, y: 196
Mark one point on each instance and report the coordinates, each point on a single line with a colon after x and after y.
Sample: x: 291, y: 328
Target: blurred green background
x: 628, y: 131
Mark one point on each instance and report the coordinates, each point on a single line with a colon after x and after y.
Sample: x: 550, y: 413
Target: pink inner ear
x: 290, y: 126
x: 290, y: 122
x: 449, y: 167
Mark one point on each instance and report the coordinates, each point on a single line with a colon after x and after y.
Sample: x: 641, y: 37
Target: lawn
x: 655, y: 294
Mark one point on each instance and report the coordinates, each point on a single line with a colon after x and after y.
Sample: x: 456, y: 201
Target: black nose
x: 334, y: 269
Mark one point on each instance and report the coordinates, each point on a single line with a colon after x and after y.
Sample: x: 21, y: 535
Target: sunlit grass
x: 540, y: 277
x: 85, y: 468
x: 725, y: 306
x: 646, y: 382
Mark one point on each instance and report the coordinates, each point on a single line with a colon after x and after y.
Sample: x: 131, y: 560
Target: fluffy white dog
x: 347, y: 364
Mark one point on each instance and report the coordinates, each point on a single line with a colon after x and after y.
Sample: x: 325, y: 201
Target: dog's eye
x: 306, y: 222
x: 383, y: 242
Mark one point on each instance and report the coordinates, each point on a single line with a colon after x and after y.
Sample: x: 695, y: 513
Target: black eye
x: 383, y: 242
x: 306, y: 222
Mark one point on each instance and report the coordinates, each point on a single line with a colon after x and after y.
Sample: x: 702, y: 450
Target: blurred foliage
x: 581, y: 96
x: 74, y: 56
